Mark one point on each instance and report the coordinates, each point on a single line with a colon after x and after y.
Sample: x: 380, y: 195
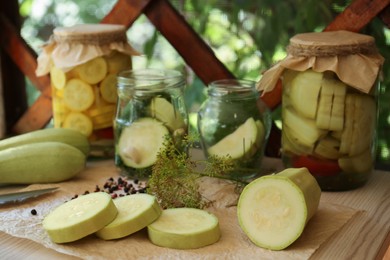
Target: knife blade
x: 23, y: 195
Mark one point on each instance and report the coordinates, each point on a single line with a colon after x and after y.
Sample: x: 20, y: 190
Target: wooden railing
x: 176, y: 30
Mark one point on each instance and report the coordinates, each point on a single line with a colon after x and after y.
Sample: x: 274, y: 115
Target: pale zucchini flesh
x: 240, y: 142
x: 135, y: 212
x: 184, y: 228
x: 80, y: 217
x: 273, y: 210
x: 140, y: 143
x: 164, y: 111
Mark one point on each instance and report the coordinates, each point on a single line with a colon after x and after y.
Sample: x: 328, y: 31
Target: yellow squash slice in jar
x: 78, y: 95
x: 108, y: 88
x: 57, y: 77
x: 80, y: 122
x: 93, y: 71
x: 118, y: 62
x: 100, y: 110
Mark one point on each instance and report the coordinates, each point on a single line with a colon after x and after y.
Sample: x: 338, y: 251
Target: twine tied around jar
x: 352, y: 56
x: 300, y: 50
x: 92, y: 38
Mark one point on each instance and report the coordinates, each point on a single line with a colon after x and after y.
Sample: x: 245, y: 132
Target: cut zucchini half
x: 163, y: 110
x: 80, y: 217
x: 135, y: 212
x: 273, y: 210
x: 239, y: 143
x: 184, y: 228
x: 140, y: 142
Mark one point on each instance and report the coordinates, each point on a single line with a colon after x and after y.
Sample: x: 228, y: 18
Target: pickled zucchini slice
x: 108, y: 88
x: 135, y: 212
x: 57, y: 77
x: 163, y: 110
x: 140, y: 143
x: 184, y: 228
x: 78, y: 95
x: 237, y: 144
x: 93, y: 71
x: 79, y: 122
x: 80, y: 217
x: 117, y: 62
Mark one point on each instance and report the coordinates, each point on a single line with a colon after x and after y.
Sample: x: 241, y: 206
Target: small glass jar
x: 233, y: 123
x: 150, y: 109
x: 329, y: 109
x: 83, y: 62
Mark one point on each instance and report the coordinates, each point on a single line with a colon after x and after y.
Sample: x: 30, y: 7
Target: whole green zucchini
x: 44, y: 162
x: 63, y: 135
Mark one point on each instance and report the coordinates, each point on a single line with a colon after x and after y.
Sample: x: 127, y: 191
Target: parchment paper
x: 17, y: 220
x: 358, y: 70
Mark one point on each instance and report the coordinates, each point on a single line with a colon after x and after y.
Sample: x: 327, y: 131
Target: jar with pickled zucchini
x: 328, y: 127
x: 83, y: 62
x: 150, y: 112
x: 234, y: 124
x: 329, y: 106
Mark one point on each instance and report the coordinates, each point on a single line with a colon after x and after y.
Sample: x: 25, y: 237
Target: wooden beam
x: 40, y: 113
x: 21, y: 53
x: 196, y: 53
x: 13, y: 90
x: 385, y: 16
x: 357, y: 15
x: 125, y: 12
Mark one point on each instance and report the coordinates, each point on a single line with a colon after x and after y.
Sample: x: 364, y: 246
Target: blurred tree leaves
x: 248, y: 36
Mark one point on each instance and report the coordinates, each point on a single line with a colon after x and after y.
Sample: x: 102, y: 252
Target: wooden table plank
x: 364, y: 237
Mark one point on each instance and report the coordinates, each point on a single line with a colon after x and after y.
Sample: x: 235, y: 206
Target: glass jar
x: 150, y: 109
x: 332, y: 135
x: 233, y: 123
x: 83, y: 62
x: 329, y: 108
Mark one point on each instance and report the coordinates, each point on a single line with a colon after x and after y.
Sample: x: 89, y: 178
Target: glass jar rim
x: 150, y: 79
x: 229, y: 86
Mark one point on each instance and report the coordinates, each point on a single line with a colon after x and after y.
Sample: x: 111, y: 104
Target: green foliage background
x: 248, y: 36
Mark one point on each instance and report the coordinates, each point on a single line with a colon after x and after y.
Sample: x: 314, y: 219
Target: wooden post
x: 13, y: 80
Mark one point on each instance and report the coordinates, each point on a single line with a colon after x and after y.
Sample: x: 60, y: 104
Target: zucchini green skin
x: 44, y: 162
x: 63, y: 135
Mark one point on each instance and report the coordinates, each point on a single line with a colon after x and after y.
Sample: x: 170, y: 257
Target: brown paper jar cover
x: 352, y: 56
x: 78, y: 44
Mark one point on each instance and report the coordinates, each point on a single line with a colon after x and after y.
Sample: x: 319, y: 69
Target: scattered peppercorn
x: 119, y: 187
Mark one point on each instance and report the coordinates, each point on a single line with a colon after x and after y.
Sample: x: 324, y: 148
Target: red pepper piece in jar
x: 317, y: 167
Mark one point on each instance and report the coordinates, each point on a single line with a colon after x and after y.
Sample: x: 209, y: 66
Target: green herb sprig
x: 174, y: 175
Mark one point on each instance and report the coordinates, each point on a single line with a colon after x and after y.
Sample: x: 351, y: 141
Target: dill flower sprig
x: 174, y: 176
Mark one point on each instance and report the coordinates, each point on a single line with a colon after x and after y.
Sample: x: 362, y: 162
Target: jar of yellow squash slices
x: 83, y: 62
x: 329, y: 106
